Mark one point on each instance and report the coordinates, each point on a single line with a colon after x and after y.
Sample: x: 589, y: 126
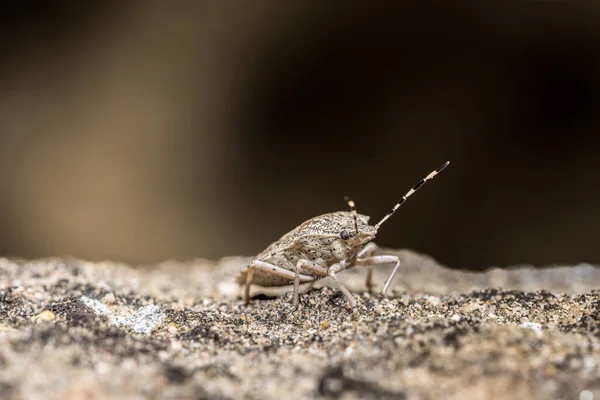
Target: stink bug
x: 324, y: 246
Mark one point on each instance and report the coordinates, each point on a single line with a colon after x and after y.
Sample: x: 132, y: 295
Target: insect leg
x: 367, y: 252
x: 295, y: 296
x: 247, y: 286
x: 343, y: 289
x: 271, y: 269
x: 310, y: 266
x: 308, y: 287
x: 381, y: 260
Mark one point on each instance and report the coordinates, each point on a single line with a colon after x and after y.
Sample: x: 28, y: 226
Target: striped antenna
x: 353, y: 209
x: 411, y: 192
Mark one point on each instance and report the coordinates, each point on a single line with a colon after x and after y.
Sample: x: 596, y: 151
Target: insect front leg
x: 270, y: 269
x: 364, y: 253
x: 333, y: 270
x: 372, y: 261
x: 309, y: 266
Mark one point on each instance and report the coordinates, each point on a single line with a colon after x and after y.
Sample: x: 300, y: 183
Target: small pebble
x: 433, y: 300
x: 176, y: 345
x: 109, y: 298
x: 45, y: 316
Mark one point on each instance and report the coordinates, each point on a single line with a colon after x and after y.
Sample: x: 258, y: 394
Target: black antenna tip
x: 444, y: 165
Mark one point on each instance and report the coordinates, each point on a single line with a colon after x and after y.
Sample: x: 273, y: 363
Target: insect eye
x: 344, y: 235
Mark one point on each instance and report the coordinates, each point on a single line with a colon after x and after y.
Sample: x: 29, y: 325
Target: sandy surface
x: 71, y: 329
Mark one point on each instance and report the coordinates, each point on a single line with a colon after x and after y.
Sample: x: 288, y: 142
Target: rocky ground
x: 71, y: 329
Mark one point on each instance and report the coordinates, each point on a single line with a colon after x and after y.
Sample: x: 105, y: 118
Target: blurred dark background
x: 142, y: 131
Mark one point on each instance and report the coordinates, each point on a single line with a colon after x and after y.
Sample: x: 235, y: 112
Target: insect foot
x: 324, y: 246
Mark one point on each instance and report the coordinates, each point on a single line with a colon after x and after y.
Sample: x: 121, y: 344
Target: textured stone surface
x: 71, y: 329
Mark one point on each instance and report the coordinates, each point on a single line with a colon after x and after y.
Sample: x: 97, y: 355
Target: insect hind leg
x: 249, y: 275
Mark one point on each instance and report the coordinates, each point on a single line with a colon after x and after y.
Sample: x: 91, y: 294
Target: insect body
x: 324, y: 246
